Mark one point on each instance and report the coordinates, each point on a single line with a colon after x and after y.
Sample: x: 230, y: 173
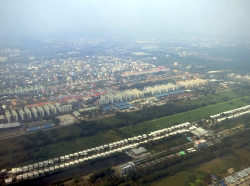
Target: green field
x: 12, y: 153
x: 193, y: 115
x: 219, y: 166
x: 177, y: 180
x: 200, y: 113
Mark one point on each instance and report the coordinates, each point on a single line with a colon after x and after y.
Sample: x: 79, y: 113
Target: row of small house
x: 27, y: 113
x: 231, y: 113
x: 237, y: 176
x: 60, y: 163
x: 22, y: 90
x: 155, y: 133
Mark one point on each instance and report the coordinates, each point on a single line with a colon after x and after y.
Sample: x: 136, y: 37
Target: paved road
x: 172, y: 148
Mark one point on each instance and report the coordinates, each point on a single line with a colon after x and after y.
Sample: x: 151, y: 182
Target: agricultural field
x: 56, y: 142
x: 219, y: 166
x: 192, y: 115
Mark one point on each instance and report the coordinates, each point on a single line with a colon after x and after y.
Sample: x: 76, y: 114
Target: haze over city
x: 125, y: 92
x: 129, y: 18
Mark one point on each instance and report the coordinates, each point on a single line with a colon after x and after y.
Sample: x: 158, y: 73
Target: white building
x: 7, y: 115
x: 159, y: 89
x: 52, y: 108
x: 58, y: 107
x: 66, y: 108
x: 46, y: 109
x: 200, y: 144
x: 136, y: 94
x: 40, y: 111
x: 193, y: 83
x: 76, y: 114
x: 21, y: 113
x: 27, y: 112
x: 126, y: 168
x: 34, y: 111
x: 14, y: 115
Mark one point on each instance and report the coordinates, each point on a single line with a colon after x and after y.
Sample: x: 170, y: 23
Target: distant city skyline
x: 124, y: 18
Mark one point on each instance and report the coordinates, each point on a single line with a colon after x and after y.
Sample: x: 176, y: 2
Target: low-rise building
x: 200, y: 144
x: 126, y: 168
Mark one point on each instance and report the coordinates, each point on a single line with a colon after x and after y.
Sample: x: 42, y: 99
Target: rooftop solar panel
x: 120, y: 104
x: 107, y: 108
x: 33, y: 128
x: 123, y: 107
x: 47, y: 125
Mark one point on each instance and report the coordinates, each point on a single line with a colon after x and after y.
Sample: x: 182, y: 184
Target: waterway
x: 101, y: 164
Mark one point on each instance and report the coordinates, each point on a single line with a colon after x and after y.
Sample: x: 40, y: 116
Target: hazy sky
x: 101, y: 18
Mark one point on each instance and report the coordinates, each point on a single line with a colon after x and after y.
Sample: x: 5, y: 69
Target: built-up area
x: 33, y: 88
x: 133, y: 146
x: 71, y: 87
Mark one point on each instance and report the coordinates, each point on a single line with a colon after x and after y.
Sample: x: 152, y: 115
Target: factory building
x: 46, y: 109
x: 126, y: 168
x: 193, y: 83
x: 52, y: 108
x: 40, y: 111
x: 27, y: 112
x: 14, y: 115
x: 58, y: 107
x: 34, y: 111
x: 21, y: 113
x: 139, y: 151
x: 7, y: 115
x: 200, y: 144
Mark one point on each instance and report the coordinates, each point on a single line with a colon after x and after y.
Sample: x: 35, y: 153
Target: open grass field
x: 200, y: 113
x: 177, y: 180
x: 217, y: 98
x: 193, y: 115
x: 219, y: 166
x: 62, y: 147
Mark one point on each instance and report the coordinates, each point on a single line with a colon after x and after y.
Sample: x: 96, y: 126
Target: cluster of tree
x: 61, y: 182
x: 101, y: 174
x: 90, y: 128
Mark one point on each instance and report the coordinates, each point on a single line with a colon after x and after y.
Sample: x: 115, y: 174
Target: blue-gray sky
x: 101, y: 18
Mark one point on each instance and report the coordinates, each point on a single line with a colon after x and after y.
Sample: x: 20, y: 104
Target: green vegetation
x: 167, y: 143
x: 101, y: 174
x: 147, y: 175
x: 192, y: 115
x: 238, y: 160
x: 52, y: 143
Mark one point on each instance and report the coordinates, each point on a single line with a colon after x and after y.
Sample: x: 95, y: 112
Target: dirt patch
x: 37, y: 123
x: 230, y: 170
x: 10, y: 132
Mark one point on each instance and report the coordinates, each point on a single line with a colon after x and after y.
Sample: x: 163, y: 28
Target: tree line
x: 177, y: 164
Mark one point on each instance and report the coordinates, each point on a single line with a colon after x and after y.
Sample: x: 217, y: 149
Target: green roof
x: 182, y: 153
